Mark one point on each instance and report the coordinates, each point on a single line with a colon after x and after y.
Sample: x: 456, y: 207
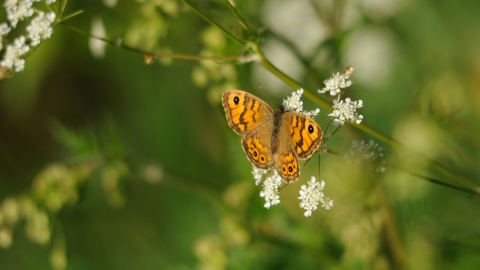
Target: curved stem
x: 265, y: 63
x: 205, y: 17
x: 241, y: 59
x: 242, y: 21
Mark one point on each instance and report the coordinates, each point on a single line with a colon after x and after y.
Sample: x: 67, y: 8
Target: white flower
x: 361, y: 153
x: 110, y: 3
x: 4, y: 29
x: 49, y: 2
x: 97, y: 47
x: 293, y: 103
x: 18, y: 11
x: 337, y: 82
x: 270, y: 190
x: 11, y: 58
x: 40, y: 27
x: 326, y: 203
x: 346, y: 111
x: 258, y: 174
x: 312, y: 113
x: 312, y: 195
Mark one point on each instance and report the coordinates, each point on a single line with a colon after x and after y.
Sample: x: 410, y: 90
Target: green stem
x: 265, y: 63
x: 392, y: 233
x: 62, y: 8
x: 310, y: 70
x: 435, y: 181
x: 75, y: 13
x: 336, y: 130
x: 241, y: 59
x: 242, y: 21
x: 205, y: 17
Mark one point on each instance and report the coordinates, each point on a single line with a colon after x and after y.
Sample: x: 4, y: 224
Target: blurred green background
x: 162, y: 180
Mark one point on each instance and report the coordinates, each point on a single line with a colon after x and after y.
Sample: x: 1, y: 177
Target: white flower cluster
x: 258, y: 175
x: 39, y: 29
x: 293, y: 103
x: 4, y: 30
x: 270, y: 190
x: 312, y: 195
x: 361, y: 153
x: 337, y: 82
x: 346, y: 110
x: 17, y: 11
x: 12, y: 56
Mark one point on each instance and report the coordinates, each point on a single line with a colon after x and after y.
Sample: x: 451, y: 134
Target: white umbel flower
x: 312, y: 195
x: 18, y: 11
x: 337, y: 82
x: 49, y: 2
x: 40, y: 28
x: 12, y: 55
x: 294, y: 104
x: 4, y: 29
x: 326, y: 203
x: 361, y: 153
x: 258, y: 175
x: 270, y: 190
x: 346, y: 110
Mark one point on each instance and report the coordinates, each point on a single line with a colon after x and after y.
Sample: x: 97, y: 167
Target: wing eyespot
x: 310, y: 129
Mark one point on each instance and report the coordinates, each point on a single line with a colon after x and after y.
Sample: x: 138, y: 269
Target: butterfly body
x: 271, y: 136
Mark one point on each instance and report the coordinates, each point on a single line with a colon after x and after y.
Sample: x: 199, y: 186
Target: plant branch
x: 205, y: 17
x: 241, y: 59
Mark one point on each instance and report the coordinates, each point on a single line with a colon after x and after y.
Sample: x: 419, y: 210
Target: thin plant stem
x: 435, y: 181
x: 319, y: 159
x: 159, y: 54
x: 75, y: 13
x: 242, y: 21
x: 423, y: 177
x: 336, y: 130
x: 328, y: 125
x: 62, y: 8
x: 392, y: 233
x: 205, y: 17
x: 311, y: 72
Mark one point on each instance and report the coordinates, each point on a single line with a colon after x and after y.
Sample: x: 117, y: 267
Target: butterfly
x: 271, y: 137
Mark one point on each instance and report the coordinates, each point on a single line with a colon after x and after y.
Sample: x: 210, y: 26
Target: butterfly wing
x: 253, y: 118
x: 245, y: 111
x: 299, y: 137
x: 257, y: 145
x: 305, y: 134
x: 287, y: 161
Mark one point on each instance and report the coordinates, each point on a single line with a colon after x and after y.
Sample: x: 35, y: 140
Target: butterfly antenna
x: 260, y: 86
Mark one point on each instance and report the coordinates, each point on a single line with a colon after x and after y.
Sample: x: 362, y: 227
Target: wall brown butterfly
x: 271, y: 137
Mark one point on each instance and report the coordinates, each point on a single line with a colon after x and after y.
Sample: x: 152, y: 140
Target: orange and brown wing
x: 257, y: 145
x: 304, y: 132
x: 245, y: 111
x: 287, y: 166
x: 287, y: 160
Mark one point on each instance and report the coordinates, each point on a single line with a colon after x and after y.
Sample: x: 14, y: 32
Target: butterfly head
x: 280, y: 109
